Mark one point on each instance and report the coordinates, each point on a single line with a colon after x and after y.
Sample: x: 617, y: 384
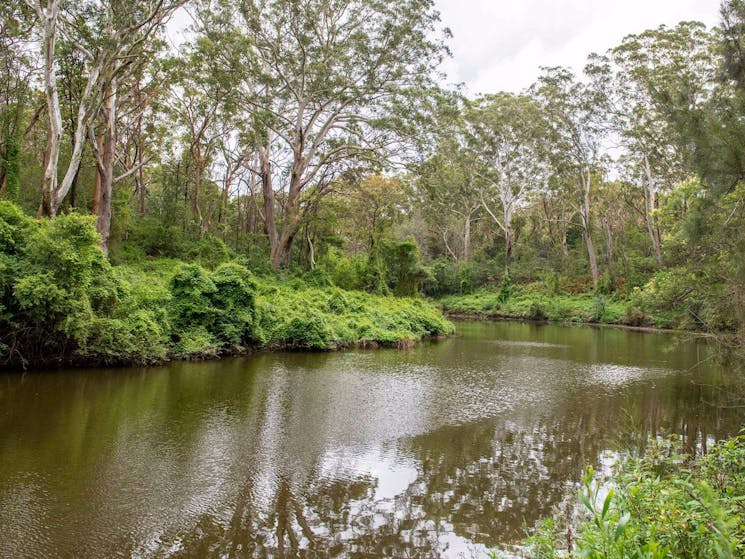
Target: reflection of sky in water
x: 508, y: 343
x: 610, y: 375
x: 445, y: 450
x: 392, y: 473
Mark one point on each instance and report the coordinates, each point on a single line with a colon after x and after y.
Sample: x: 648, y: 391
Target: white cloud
x: 501, y: 44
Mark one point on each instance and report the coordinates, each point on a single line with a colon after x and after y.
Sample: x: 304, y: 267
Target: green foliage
x: 597, y: 310
x: 12, y: 169
x: 449, y: 277
x: 154, y: 237
x: 406, y: 274
x: 331, y: 318
x: 505, y: 288
x: 664, y: 505
x: 393, y: 267
x: 216, y: 310
x: 536, y: 302
x: 61, y: 300
x: 544, y: 541
x: 345, y: 271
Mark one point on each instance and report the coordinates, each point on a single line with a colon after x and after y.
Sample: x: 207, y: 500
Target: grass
x: 533, y: 302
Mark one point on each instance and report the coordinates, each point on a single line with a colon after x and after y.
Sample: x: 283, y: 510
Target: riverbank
x: 62, y: 302
x: 535, y: 303
x: 665, y: 504
x: 530, y: 303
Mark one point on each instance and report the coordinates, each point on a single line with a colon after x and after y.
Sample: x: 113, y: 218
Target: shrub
x: 597, y: 310
x: 61, y: 300
x: 216, y: 310
x: 309, y: 331
x: 665, y: 504
x: 505, y: 288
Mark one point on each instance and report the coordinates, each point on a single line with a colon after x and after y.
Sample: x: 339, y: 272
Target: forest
x: 317, y: 138
x: 191, y: 179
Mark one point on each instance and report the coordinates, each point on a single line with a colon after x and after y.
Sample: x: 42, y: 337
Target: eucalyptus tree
x: 48, y: 16
x: 574, y: 136
x: 201, y: 92
x: 505, y: 139
x: 331, y: 83
x: 448, y: 186
x: 111, y: 35
x: 17, y: 74
x: 639, y: 82
x: 139, y: 121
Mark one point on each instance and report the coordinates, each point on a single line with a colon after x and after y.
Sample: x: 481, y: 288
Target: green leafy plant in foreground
x: 664, y: 505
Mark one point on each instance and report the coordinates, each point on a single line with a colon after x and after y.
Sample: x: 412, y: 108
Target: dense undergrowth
x: 62, y: 301
x: 671, y: 299
x: 664, y: 505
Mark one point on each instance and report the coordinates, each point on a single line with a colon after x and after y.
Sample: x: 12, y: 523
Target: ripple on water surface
x: 441, y: 451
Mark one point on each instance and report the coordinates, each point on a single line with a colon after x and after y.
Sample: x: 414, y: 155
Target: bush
x: 665, y: 504
x: 62, y: 301
x: 406, y: 274
x: 56, y: 281
x: 216, y: 310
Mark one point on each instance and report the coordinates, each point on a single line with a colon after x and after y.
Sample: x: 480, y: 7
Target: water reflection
x: 442, y: 451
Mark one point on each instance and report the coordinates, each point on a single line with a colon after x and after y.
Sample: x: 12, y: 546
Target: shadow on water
x: 443, y: 450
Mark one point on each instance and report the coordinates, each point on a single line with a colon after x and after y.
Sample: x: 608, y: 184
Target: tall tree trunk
x: 198, y: 162
x: 592, y: 257
x: 467, y: 238
x: 311, y: 251
x: 48, y: 16
x: 225, y: 197
x: 650, y: 204
x: 281, y: 242
x: 587, y: 229
x: 103, y: 223
x: 292, y: 218
x: 139, y: 176
x: 84, y: 117
x: 609, y: 241
x: 280, y: 256
x: 96, y: 205
x: 508, y: 236
x: 74, y: 188
x: 270, y: 223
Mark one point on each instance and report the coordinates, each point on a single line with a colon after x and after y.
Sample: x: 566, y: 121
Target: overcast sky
x: 499, y: 45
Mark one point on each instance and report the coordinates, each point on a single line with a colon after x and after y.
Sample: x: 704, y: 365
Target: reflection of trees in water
x: 338, y: 518
x: 480, y: 481
x: 483, y: 481
x: 228, y: 459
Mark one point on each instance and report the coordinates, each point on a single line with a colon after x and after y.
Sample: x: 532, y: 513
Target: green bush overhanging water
x: 62, y: 301
x: 664, y: 505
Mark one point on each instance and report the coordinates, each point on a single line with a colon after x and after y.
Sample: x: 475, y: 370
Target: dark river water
x: 446, y: 450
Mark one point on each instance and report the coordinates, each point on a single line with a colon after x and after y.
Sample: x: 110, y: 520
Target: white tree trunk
x: 587, y: 228
x: 650, y: 197
x: 48, y: 18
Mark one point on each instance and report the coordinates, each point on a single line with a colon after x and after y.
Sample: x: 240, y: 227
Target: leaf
x: 585, y: 501
x: 621, y: 526
x: 606, y: 503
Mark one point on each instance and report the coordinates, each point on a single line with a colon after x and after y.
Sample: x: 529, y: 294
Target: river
x: 444, y: 450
